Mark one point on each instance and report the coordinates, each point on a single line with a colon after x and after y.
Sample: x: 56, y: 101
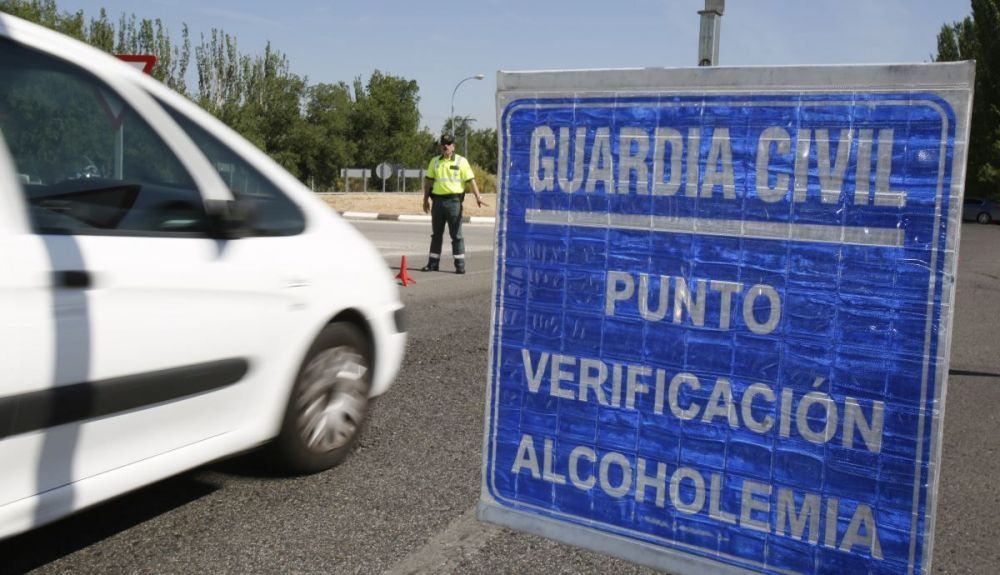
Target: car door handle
x: 73, y: 279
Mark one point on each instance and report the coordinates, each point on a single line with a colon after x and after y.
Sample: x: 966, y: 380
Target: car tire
x: 328, y: 405
x: 984, y: 218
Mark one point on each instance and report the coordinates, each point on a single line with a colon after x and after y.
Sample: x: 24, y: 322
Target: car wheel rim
x: 333, y: 399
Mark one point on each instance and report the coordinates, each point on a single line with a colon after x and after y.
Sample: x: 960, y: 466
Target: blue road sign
x: 722, y: 313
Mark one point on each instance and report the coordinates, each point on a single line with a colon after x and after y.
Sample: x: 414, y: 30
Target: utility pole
x: 708, y: 39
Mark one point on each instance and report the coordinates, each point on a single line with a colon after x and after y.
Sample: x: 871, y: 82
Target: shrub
x: 486, y: 181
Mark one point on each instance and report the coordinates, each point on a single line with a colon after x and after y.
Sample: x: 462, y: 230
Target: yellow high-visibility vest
x: 449, y: 176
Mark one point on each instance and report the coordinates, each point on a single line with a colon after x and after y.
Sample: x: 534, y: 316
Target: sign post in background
x: 385, y: 170
x: 115, y: 109
x: 722, y: 313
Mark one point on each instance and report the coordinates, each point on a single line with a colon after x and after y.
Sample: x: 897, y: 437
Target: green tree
x: 482, y: 144
x: 46, y: 13
x: 459, y: 127
x: 386, y: 120
x: 101, y: 33
x: 327, y: 137
x: 146, y: 36
x: 272, y: 99
x: 978, y: 37
x: 483, y: 148
x: 313, y: 131
x: 134, y: 36
x: 218, y: 64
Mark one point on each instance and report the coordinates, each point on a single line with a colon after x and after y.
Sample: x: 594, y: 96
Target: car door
x: 28, y: 335
x: 141, y: 329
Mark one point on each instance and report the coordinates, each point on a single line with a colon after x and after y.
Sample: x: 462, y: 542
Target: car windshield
x: 87, y: 162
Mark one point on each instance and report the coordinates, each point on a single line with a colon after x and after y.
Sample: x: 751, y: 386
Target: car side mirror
x: 230, y: 219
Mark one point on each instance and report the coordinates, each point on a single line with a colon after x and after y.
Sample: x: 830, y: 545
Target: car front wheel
x: 329, y: 402
x: 984, y: 218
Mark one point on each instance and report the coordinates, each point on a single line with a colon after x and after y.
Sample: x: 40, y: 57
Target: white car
x: 169, y: 295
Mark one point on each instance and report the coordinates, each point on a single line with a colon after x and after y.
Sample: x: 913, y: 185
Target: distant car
x: 980, y: 210
x: 169, y: 294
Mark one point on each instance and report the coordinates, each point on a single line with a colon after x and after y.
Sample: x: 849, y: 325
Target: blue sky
x: 439, y: 44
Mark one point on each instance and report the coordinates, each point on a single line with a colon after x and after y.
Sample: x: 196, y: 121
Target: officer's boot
x: 458, y: 249
x: 432, y: 265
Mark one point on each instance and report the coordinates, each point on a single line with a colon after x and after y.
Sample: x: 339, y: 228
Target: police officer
x: 447, y: 177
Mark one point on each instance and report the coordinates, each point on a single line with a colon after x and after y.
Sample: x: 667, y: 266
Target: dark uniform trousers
x: 447, y: 209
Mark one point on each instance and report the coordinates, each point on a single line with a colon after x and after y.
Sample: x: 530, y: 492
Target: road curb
x: 409, y: 217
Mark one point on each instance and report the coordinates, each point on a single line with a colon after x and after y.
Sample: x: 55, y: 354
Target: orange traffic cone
x: 404, y: 275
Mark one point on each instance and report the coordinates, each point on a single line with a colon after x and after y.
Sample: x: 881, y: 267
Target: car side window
x: 88, y: 164
x: 274, y: 213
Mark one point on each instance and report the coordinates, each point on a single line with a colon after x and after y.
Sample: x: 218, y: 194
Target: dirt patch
x: 401, y: 203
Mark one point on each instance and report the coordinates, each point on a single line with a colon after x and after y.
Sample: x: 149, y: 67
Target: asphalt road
x: 404, y: 501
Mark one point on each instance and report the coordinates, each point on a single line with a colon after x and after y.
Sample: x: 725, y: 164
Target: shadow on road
x: 972, y: 373
x: 253, y: 465
x: 57, y: 540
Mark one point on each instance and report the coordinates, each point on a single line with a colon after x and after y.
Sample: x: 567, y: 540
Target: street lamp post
x: 451, y: 117
x: 466, y: 120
